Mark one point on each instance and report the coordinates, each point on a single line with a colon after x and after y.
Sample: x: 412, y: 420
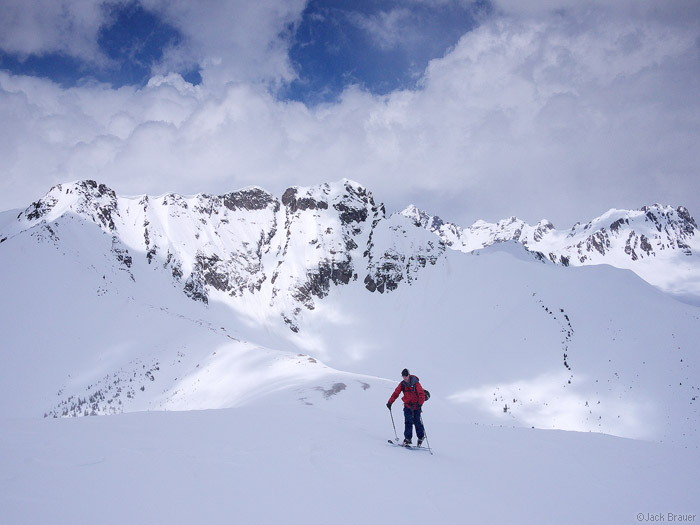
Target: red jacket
x: 413, y: 393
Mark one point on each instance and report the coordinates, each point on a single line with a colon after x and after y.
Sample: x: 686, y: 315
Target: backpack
x: 403, y: 389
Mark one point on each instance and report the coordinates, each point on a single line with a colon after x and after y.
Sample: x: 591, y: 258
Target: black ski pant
x: 412, y: 417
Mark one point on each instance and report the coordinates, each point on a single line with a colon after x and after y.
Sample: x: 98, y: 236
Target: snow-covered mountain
x: 297, y: 314
x: 289, y: 251
x: 324, y: 275
x: 282, y: 255
x: 659, y: 243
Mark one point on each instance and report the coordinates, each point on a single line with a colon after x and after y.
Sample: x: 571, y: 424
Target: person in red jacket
x: 413, y: 399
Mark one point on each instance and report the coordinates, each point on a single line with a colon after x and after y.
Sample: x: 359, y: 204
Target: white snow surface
x: 559, y: 394
x: 285, y: 462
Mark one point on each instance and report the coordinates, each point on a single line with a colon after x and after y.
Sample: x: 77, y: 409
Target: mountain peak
x: 422, y: 219
x: 349, y: 198
x: 628, y: 239
x: 85, y: 197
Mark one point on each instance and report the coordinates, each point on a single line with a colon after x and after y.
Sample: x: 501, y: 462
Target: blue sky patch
x: 380, y: 46
x: 62, y: 69
x: 135, y: 39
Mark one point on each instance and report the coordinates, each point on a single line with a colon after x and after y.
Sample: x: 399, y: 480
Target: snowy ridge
x: 287, y: 252
x: 659, y: 243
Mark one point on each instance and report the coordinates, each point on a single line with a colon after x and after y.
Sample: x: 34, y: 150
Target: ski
x: 391, y: 442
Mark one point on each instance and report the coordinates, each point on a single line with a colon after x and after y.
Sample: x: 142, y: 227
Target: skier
x: 413, y: 399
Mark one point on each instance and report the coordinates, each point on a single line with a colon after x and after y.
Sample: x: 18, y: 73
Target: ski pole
x: 393, y: 425
x: 425, y: 434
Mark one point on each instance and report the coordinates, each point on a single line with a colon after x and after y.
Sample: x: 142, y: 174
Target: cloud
x: 231, y: 41
x: 680, y: 12
x: 536, y: 116
x: 538, y: 111
x: 51, y: 26
x: 388, y: 29
x: 228, y: 41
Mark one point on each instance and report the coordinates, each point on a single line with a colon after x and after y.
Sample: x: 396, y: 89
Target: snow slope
x: 246, y: 352
x: 285, y: 462
x: 80, y: 336
x: 588, y: 349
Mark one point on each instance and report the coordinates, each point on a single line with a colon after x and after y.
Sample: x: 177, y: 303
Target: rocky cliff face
x: 289, y: 251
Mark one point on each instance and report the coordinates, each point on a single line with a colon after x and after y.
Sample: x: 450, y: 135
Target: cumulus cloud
x: 542, y: 112
x: 227, y: 41
x: 231, y: 41
x: 539, y: 117
x: 51, y: 26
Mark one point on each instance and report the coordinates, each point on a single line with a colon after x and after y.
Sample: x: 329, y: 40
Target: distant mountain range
x: 659, y: 243
x: 251, y: 242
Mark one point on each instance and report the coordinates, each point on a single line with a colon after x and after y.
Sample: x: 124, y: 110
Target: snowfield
x: 328, y: 460
x: 238, y: 352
